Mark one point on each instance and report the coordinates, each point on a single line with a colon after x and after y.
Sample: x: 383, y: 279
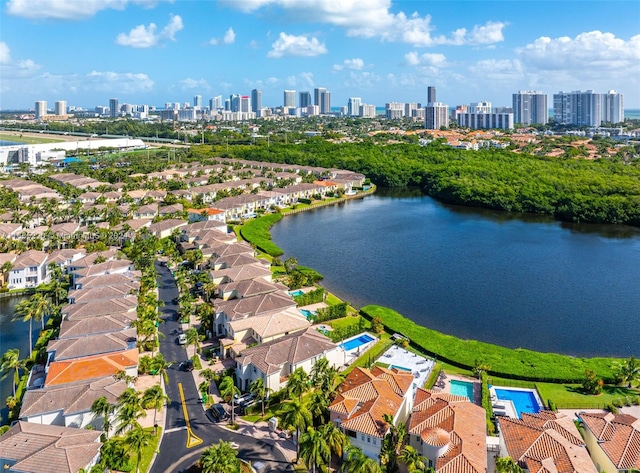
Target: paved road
x: 175, y: 455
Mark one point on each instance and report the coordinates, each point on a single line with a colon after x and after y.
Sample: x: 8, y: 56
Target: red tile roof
x: 618, y: 436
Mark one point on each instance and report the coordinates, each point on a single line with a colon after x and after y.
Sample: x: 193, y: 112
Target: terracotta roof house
x: 199, y: 215
x: 613, y: 441
x: 82, y: 296
x: 97, y: 308
x: 92, y: 367
x: 449, y: 431
x: 247, y: 288
x: 129, y: 279
x: 69, y: 404
x: 145, y: 211
x: 364, y: 397
x: 90, y: 258
x: 224, y: 262
x: 94, y: 325
x: 274, y: 361
x: 107, y: 267
x: 165, y: 228
x: 241, y: 273
x: 65, y: 257
x: 170, y: 209
x: 89, y: 345
x: 234, y: 309
x: 10, y: 230
x: 8, y: 259
x: 545, y: 442
x: 36, y: 448
x: 88, y: 197
x: 207, y: 225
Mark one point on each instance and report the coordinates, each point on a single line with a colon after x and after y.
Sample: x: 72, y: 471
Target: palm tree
x: 155, y: 398
x: 228, y: 391
x: 358, y: 462
x: 628, y: 371
x: 298, y: 383
x: 295, y: 414
x: 314, y: 450
x: 258, y: 388
x: 159, y: 366
x: 136, y: 440
x: 220, y: 458
x: 11, y: 361
x: 129, y: 410
x: 101, y: 407
x: 41, y: 307
x: 392, y: 443
x: 24, y: 311
x: 336, y: 439
x: 507, y: 465
x: 318, y: 401
x: 414, y: 461
x: 193, y: 338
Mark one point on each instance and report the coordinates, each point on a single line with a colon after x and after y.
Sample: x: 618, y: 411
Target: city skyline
x: 380, y: 51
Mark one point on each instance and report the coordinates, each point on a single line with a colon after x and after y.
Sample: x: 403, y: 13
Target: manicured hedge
x: 504, y: 362
x: 308, y: 298
x: 257, y: 232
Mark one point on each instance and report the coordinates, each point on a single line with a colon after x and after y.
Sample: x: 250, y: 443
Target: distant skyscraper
x: 367, y: 111
x: 61, y: 107
x: 530, y: 107
x: 197, y: 102
x: 305, y: 99
x: 353, y: 106
x: 431, y: 94
x: 612, y: 107
x: 215, y: 103
x: 480, y: 107
x: 436, y: 116
x: 256, y: 100
x: 41, y: 108
x: 289, y: 98
x: 322, y: 98
x: 578, y: 108
x: 114, y: 108
x: 235, y: 102
x: 245, y: 105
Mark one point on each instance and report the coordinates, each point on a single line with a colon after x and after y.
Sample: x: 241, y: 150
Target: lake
x: 12, y: 335
x: 514, y: 280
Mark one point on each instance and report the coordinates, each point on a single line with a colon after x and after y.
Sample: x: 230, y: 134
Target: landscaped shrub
x: 505, y: 362
x: 311, y: 297
x: 304, y: 201
x: 330, y: 313
x: 487, y: 404
x: 611, y: 408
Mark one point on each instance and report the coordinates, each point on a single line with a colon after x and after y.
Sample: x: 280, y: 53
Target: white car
x: 182, y: 339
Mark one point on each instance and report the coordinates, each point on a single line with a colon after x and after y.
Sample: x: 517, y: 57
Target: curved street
x: 184, y: 439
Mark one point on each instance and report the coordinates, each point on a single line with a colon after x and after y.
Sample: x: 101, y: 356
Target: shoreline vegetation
x: 498, y: 361
x: 569, y: 188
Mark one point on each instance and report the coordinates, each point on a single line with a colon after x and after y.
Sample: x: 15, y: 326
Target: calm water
x: 12, y: 335
x: 517, y: 281
x: 9, y: 143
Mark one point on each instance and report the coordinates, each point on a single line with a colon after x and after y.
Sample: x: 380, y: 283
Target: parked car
x: 217, y: 413
x: 186, y: 365
x: 182, y: 339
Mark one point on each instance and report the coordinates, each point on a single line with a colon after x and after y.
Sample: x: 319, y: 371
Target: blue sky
x: 157, y: 51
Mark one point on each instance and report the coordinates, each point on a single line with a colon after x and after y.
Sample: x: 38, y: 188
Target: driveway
x: 181, y: 447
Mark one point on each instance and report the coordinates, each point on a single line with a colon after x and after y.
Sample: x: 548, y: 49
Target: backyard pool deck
x: 314, y: 307
x: 443, y: 384
x: 418, y: 365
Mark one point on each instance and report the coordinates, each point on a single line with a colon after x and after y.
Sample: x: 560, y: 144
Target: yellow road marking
x: 192, y: 439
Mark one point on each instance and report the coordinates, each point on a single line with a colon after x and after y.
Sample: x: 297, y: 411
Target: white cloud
x: 70, y: 9
x: 145, y: 36
x: 190, y: 83
x: 427, y: 59
x: 5, y: 54
x: 373, y: 18
x: 355, y: 64
x: 291, y: 45
x: 228, y: 38
x: 598, y: 50
x: 123, y: 82
x: 499, y: 70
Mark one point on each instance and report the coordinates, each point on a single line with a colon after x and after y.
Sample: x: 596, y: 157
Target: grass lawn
x: 147, y: 453
x: 347, y: 322
x: 332, y: 300
x: 32, y: 140
x: 569, y: 396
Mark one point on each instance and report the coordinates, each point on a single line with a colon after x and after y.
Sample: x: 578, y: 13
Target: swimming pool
x: 295, y: 293
x: 307, y: 313
x: 357, y: 342
x: 461, y: 388
x: 523, y: 400
x: 401, y: 368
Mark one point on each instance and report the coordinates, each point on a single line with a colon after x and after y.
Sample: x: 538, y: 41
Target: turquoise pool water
x: 296, y: 293
x: 461, y: 388
x: 524, y: 401
x: 307, y: 313
x: 402, y: 368
x: 357, y: 342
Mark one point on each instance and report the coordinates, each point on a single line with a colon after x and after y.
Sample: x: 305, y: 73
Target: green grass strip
x: 504, y: 362
x: 257, y: 233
